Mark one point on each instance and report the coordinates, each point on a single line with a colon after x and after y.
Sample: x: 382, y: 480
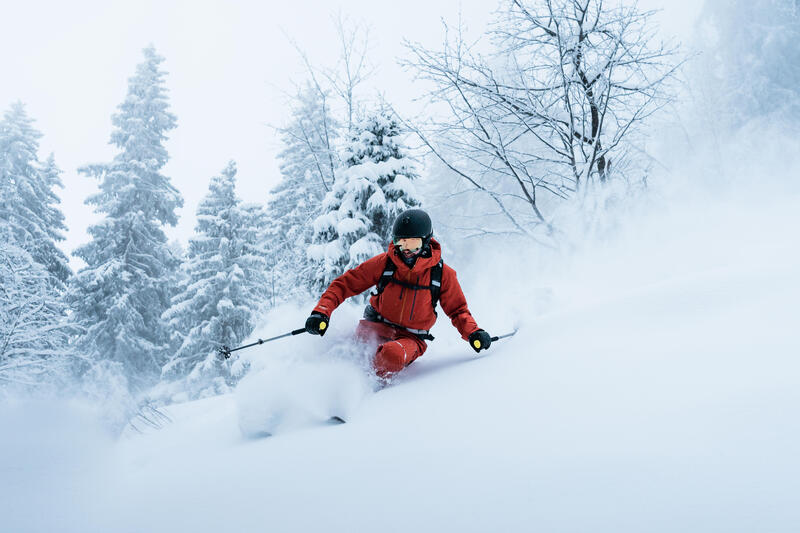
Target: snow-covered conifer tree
x: 223, y: 291
x: 28, y: 203
x: 34, y: 332
x: 373, y: 186
x: 307, y: 164
x: 120, y: 295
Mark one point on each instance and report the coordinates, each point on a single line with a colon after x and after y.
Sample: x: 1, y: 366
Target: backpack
x: 435, y: 287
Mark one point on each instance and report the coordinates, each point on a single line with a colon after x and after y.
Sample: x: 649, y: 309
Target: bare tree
x: 324, y: 154
x: 351, y: 70
x: 310, y: 136
x: 353, y: 67
x: 548, y: 108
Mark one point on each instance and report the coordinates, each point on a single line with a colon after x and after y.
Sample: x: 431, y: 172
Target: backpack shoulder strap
x: 386, y: 276
x: 436, y: 282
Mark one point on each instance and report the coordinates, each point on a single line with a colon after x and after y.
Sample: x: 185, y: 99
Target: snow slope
x: 657, y: 392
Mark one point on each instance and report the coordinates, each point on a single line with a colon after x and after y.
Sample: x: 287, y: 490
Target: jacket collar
x: 422, y: 264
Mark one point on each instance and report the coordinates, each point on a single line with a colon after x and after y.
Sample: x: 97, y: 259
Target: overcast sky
x: 229, y: 64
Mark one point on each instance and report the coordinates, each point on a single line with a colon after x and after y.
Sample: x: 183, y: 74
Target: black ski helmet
x: 413, y: 223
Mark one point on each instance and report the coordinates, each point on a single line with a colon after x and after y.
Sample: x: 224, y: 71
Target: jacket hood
x: 423, y: 262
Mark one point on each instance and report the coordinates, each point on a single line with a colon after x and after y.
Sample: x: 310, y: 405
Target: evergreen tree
x: 28, y: 203
x: 120, y: 295
x: 307, y: 164
x: 373, y: 186
x: 223, y: 291
x: 34, y: 333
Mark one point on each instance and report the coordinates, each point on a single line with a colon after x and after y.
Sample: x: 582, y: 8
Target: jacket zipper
x: 413, y: 301
x: 402, y: 291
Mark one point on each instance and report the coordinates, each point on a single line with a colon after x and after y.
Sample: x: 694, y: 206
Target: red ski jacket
x: 410, y: 308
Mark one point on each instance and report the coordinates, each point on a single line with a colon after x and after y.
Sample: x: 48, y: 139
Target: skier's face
x: 409, y: 246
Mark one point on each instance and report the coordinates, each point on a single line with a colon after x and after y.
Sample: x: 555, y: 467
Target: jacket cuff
x: 323, y: 310
x: 465, y: 336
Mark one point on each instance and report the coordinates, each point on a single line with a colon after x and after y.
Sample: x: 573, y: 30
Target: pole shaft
x: 504, y: 336
x: 259, y: 341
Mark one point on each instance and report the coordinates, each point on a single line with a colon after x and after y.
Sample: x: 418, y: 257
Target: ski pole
x: 477, y: 343
x: 225, y: 352
x: 504, y: 336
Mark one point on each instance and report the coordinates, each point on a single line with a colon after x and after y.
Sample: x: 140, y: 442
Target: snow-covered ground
x: 654, y: 389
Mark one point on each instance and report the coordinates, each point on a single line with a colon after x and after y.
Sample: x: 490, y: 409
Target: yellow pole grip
x: 477, y: 344
x: 322, y: 325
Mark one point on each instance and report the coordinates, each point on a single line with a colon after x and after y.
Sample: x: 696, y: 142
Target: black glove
x: 317, y: 324
x: 480, y: 340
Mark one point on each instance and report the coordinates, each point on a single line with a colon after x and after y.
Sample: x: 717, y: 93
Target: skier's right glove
x: 317, y: 324
x: 480, y: 340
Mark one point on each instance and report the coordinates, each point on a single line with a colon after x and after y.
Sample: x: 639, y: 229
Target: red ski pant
x: 396, y: 348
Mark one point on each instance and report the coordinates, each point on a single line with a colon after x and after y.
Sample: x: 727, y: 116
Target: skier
x: 410, y: 278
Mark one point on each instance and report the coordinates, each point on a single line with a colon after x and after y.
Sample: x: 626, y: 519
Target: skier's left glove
x: 480, y: 340
x: 317, y: 324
